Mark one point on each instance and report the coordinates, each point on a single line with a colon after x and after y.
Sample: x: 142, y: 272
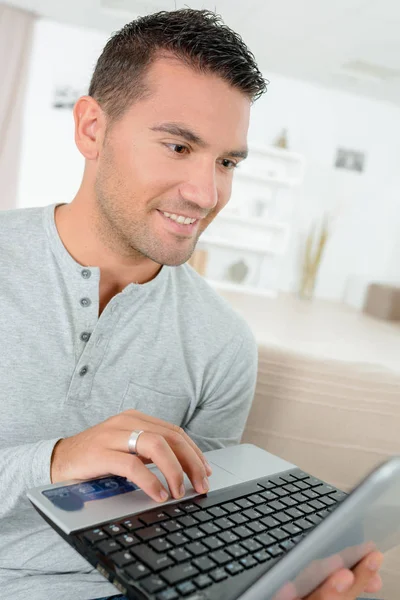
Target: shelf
x: 223, y: 243
x: 276, y: 152
x: 252, y: 221
x: 243, y: 289
x: 294, y: 181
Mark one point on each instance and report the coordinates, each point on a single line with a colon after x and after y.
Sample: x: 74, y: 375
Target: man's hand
x: 103, y: 449
x: 349, y: 585
x: 344, y: 584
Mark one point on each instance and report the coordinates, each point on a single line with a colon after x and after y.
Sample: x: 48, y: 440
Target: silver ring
x: 132, y: 442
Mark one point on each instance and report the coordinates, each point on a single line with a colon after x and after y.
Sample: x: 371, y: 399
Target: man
x: 105, y: 330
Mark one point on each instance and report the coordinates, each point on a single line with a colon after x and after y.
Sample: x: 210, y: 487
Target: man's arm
x: 221, y: 415
x: 22, y: 467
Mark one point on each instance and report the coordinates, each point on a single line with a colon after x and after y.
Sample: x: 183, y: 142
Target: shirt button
x: 83, y: 371
x: 85, y: 336
x: 85, y: 302
x: 86, y: 273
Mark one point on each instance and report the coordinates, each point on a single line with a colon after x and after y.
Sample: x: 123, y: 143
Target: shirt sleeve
x: 23, y: 467
x: 220, y: 417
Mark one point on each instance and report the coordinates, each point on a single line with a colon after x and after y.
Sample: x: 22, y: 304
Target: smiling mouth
x: 181, y: 219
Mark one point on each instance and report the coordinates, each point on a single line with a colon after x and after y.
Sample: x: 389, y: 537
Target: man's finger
x: 172, y: 427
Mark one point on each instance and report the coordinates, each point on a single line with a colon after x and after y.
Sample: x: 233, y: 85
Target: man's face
x: 171, y: 157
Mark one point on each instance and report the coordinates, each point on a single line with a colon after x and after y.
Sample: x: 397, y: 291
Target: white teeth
x: 179, y: 218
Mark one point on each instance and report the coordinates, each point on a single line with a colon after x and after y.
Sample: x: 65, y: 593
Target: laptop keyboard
x: 179, y: 549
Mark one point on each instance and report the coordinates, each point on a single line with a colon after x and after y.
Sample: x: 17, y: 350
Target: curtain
x: 16, y: 27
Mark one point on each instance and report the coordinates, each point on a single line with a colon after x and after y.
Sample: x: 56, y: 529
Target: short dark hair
x: 197, y: 37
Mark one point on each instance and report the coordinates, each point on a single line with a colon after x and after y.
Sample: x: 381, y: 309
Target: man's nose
x: 201, y: 188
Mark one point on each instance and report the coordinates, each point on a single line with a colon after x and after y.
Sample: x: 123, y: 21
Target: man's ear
x: 90, y: 123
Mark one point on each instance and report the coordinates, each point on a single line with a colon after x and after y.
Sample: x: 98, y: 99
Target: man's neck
x: 75, y: 225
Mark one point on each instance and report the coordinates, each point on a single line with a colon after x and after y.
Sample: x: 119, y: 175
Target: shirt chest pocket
x: 168, y: 407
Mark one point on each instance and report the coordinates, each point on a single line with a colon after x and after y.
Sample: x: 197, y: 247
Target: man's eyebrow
x: 193, y: 138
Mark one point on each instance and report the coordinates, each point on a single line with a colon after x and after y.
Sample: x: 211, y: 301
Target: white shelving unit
x: 246, y: 242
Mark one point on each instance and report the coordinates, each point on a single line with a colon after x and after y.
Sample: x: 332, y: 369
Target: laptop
x: 262, y: 523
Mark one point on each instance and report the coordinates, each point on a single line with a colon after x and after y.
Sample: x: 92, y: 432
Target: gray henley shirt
x: 171, y: 348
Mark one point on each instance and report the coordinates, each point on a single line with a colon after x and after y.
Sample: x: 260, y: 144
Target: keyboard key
x: 177, y: 539
x: 236, y: 550
x: 108, y: 546
x: 256, y: 499
x: 173, y: 511
x: 203, y: 564
x: 217, y: 511
x: 187, y: 521
x: 277, y: 505
x: 238, y: 518
x: 152, y: 559
x: 282, y: 517
x: 302, y: 485
x: 251, y: 545
x: 338, y: 496
x: 127, y: 540
x: 233, y: 568
x: 153, y: 517
x: 278, y: 533
x: 95, y: 535
x: 244, y: 503
x: 153, y: 584
x: 243, y: 532
x: 209, y: 528
x: 269, y: 522
x: 315, y: 519
x: 310, y: 494
x: 288, y: 501
x: 265, y: 509
x: 148, y: 533
x: 196, y: 548
x: 132, y: 524
x: 265, y: 539
x: 311, y: 480
x: 224, y: 523
x: 122, y: 558
x: 218, y: 574
x: 168, y: 594
x: 269, y: 495
x: 202, y: 516
x: 294, y: 513
x: 136, y: 571
x: 160, y: 545
x: 202, y: 581
x: 252, y: 514
x: 292, y: 529
x: 248, y: 562
x: 186, y: 588
x: 304, y: 524
x: 274, y: 551
x: 257, y: 526
x: 228, y: 537
x: 171, y: 526
x: 194, y: 533
x: 324, y: 489
x: 180, y: 573
x: 213, y: 543
x: 179, y: 555
x: 188, y: 507
x: 317, y: 505
x: 292, y: 489
x: 287, y: 545
x: 327, y: 500
x: 280, y: 491
x: 220, y: 557
x: 231, y: 507
x: 266, y: 484
x: 114, y: 529
x: 262, y: 556
x: 305, y: 508
x: 299, y: 497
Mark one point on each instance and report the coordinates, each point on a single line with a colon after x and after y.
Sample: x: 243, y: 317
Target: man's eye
x: 178, y: 148
x: 229, y: 164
